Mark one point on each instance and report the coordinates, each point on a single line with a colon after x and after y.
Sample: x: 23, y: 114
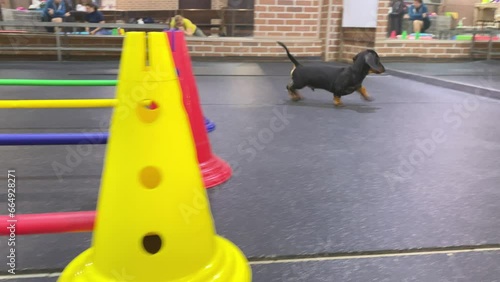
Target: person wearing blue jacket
x: 95, y: 16
x: 419, y: 15
x: 55, y: 11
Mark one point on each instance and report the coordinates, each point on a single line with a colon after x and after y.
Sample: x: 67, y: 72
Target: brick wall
x: 355, y: 40
x: 344, y: 43
x: 147, y: 5
x: 287, y: 18
x: 382, y: 23
x: 324, y: 28
x: 254, y: 48
x: 330, y: 22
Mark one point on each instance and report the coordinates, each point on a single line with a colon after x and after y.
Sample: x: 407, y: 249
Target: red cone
x: 215, y: 170
x: 393, y: 34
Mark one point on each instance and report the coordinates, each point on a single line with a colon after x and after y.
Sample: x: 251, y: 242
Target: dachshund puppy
x: 338, y: 81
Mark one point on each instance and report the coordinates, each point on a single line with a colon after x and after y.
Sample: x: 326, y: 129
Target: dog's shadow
x: 359, y: 108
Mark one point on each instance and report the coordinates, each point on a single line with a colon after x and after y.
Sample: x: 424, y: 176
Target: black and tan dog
x: 339, y: 81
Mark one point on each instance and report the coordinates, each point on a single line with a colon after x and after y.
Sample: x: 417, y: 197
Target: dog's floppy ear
x: 355, y: 58
x: 372, y: 60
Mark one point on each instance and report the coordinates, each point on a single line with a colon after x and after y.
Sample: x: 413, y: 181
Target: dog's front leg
x: 364, y: 94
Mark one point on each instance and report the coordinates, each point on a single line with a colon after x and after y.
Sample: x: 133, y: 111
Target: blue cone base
x: 209, y: 125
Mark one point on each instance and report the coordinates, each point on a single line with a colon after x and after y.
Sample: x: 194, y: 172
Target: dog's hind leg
x: 337, y: 101
x: 292, y: 91
x: 364, y: 94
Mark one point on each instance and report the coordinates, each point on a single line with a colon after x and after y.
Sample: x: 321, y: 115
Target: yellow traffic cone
x: 153, y: 216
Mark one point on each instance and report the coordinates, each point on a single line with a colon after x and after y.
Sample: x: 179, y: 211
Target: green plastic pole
x: 48, y: 82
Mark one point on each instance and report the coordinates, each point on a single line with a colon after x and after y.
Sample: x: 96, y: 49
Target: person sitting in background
x: 418, y: 13
x: 95, y: 16
x: 396, y: 15
x: 190, y: 29
x: 54, y: 11
x: 68, y: 17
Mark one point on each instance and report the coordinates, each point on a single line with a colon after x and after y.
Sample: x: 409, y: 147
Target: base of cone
x: 210, y: 125
x: 215, y: 171
x: 229, y: 264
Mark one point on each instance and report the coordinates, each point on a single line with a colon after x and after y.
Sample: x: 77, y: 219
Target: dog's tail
x: 292, y: 58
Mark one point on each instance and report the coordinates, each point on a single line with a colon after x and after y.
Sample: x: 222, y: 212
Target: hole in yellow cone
x: 147, y: 110
x: 151, y: 243
x: 150, y: 177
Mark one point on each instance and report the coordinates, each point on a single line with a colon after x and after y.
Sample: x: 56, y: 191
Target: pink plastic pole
x: 47, y: 223
x: 214, y: 170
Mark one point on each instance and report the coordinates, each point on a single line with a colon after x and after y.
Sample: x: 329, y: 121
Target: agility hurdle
x: 157, y: 241
x: 214, y: 170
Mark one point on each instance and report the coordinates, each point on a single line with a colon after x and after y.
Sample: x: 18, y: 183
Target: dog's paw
x: 296, y: 97
x: 367, y: 98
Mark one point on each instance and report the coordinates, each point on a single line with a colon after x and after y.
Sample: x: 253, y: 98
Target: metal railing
x: 59, y: 48
x: 18, y: 31
x: 490, y: 32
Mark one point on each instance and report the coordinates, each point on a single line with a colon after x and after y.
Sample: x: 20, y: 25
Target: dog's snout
x: 380, y: 68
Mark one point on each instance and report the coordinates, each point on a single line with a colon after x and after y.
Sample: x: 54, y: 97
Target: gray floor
x: 399, y: 189
x: 479, y: 73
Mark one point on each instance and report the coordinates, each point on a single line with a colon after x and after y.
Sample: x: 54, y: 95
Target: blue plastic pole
x: 53, y: 138
x: 36, y: 139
